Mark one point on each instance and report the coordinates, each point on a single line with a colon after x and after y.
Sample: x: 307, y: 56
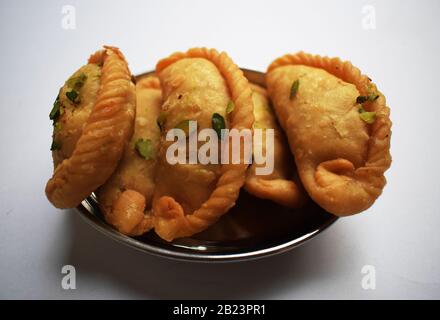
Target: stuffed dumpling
x: 126, y: 198
x: 198, y: 86
x: 338, y: 127
x: 281, y: 185
x: 93, y: 120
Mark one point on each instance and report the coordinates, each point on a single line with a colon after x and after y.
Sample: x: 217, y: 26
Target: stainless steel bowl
x: 254, y: 228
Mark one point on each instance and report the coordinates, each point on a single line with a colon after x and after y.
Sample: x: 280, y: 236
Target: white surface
x: 399, y: 235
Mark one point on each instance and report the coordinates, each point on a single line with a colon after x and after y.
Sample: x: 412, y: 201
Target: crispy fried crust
x: 340, y: 186
x: 148, y: 82
x: 104, y: 136
x: 170, y: 219
x: 71, y: 120
x: 278, y: 186
x: 125, y: 197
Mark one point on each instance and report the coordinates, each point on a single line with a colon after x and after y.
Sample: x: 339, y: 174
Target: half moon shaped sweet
x: 280, y: 185
x: 198, y: 85
x: 338, y: 127
x: 126, y: 198
x: 90, y: 160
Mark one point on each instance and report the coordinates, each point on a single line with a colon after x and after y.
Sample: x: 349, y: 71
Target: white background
x: 399, y: 235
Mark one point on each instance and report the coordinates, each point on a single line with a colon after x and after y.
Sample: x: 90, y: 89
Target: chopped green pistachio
x: 230, y: 107
x: 55, y: 146
x: 144, y: 148
x: 370, y: 97
x: 57, y: 126
x: 373, y: 97
x: 368, y: 117
x: 361, y: 99
x: 218, y: 123
x: 183, y: 125
x: 77, y: 82
x: 72, y: 96
x: 161, y: 120
x: 55, y: 112
x: 294, y: 89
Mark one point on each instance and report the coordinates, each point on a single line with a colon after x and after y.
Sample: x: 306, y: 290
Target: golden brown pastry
x: 278, y: 186
x: 94, y: 122
x: 125, y: 199
x: 338, y: 127
x: 197, y: 85
x: 70, y: 116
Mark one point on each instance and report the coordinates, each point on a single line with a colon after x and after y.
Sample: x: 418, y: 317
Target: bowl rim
x: 90, y: 218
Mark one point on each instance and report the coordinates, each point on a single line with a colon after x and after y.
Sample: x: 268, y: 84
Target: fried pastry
x: 199, y: 85
x: 125, y: 199
x: 279, y: 186
x: 93, y: 119
x: 338, y: 127
x: 70, y: 116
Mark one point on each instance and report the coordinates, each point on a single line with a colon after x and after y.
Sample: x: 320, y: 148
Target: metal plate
x: 254, y: 228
